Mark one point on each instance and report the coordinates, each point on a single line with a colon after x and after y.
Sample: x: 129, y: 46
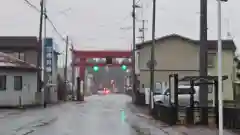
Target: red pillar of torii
x: 80, y: 59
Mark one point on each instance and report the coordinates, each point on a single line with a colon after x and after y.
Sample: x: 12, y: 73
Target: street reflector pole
x: 219, y: 23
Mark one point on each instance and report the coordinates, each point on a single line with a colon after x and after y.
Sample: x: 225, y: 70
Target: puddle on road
x: 45, y: 123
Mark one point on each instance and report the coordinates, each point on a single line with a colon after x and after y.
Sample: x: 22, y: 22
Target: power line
x: 138, y: 2
x: 32, y: 6
x: 49, y: 20
x: 55, y: 29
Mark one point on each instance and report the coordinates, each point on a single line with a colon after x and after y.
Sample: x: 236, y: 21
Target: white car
x: 104, y: 91
x: 183, y: 97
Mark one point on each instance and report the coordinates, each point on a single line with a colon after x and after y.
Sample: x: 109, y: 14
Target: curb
x: 140, y: 112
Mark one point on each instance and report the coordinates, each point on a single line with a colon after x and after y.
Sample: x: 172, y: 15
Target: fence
x: 184, y: 115
x: 166, y: 114
x: 193, y: 116
x: 231, y: 117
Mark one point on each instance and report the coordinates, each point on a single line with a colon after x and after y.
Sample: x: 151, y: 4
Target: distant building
x: 18, y: 82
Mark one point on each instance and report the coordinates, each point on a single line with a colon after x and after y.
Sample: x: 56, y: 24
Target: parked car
x: 183, y: 96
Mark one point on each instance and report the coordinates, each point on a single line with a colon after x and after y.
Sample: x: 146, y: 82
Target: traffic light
x: 108, y: 60
x: 124, y: 67
x: 95, y: 68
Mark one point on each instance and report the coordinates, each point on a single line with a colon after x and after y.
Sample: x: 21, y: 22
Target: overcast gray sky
x: 96, y: 24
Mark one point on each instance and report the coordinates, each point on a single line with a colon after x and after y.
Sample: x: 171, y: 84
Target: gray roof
x: 212, y: 44
x: 7, y: 42
x: 10, y: 62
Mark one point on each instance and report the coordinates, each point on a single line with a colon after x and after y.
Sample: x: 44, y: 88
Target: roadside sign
x: 149, y: 63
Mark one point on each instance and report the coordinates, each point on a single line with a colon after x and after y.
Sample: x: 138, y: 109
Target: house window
x: 211, y: 58
x: 18, y: 55
x: 2, y: 82
x: 210, y: 88
x: 18, y: 82
x: 15, y: 54
x: 21, y: 56
x: 138, y: 57
x: 48, y: 62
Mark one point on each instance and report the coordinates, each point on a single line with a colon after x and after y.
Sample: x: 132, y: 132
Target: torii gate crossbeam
x: 80, y: 58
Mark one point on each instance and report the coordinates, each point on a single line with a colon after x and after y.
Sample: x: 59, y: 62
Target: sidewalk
x: 6, y: 112
x: 142, y: 111
x: 21, y: 122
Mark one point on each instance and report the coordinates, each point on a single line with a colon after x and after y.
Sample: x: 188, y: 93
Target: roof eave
x: 139, y: 46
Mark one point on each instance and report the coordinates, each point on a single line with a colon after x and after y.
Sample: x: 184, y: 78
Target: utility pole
x: 73, y: 71
x: 133, y: 51
x: 40, y: 77
x: 152, y: 65
x: 203, y: 57
x: 65, y: 66
x: 44, y: 76
x: 142, y: 30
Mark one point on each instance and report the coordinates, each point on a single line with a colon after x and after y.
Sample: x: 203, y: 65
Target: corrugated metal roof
x: 18, y: 41
x: 212, y: 44
x: 12, y: 62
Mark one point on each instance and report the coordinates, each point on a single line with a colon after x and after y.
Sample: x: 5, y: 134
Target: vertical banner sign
x: 49, y: 57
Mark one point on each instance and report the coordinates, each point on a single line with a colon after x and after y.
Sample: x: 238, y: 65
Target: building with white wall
x: 178, y: 54
x: 18, y: 82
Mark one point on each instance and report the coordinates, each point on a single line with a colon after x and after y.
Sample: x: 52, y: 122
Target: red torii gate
x: 80, y: 57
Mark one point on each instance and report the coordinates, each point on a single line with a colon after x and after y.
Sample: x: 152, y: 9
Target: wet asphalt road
x: 99, y: 115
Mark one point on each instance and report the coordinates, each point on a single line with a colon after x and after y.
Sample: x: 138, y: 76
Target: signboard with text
x: 49, y: 57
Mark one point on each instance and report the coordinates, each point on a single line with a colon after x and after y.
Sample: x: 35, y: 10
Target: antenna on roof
x: 229, y: 34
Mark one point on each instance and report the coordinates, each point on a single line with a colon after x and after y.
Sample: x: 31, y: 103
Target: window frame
x: 166, y: 91
x: 23, y: 55
x: 5, y: 83
x: 211, y: 59
x: 21, y: 83
x: 180, y: 91
x: 17, y: 55
x: 138, y: 57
